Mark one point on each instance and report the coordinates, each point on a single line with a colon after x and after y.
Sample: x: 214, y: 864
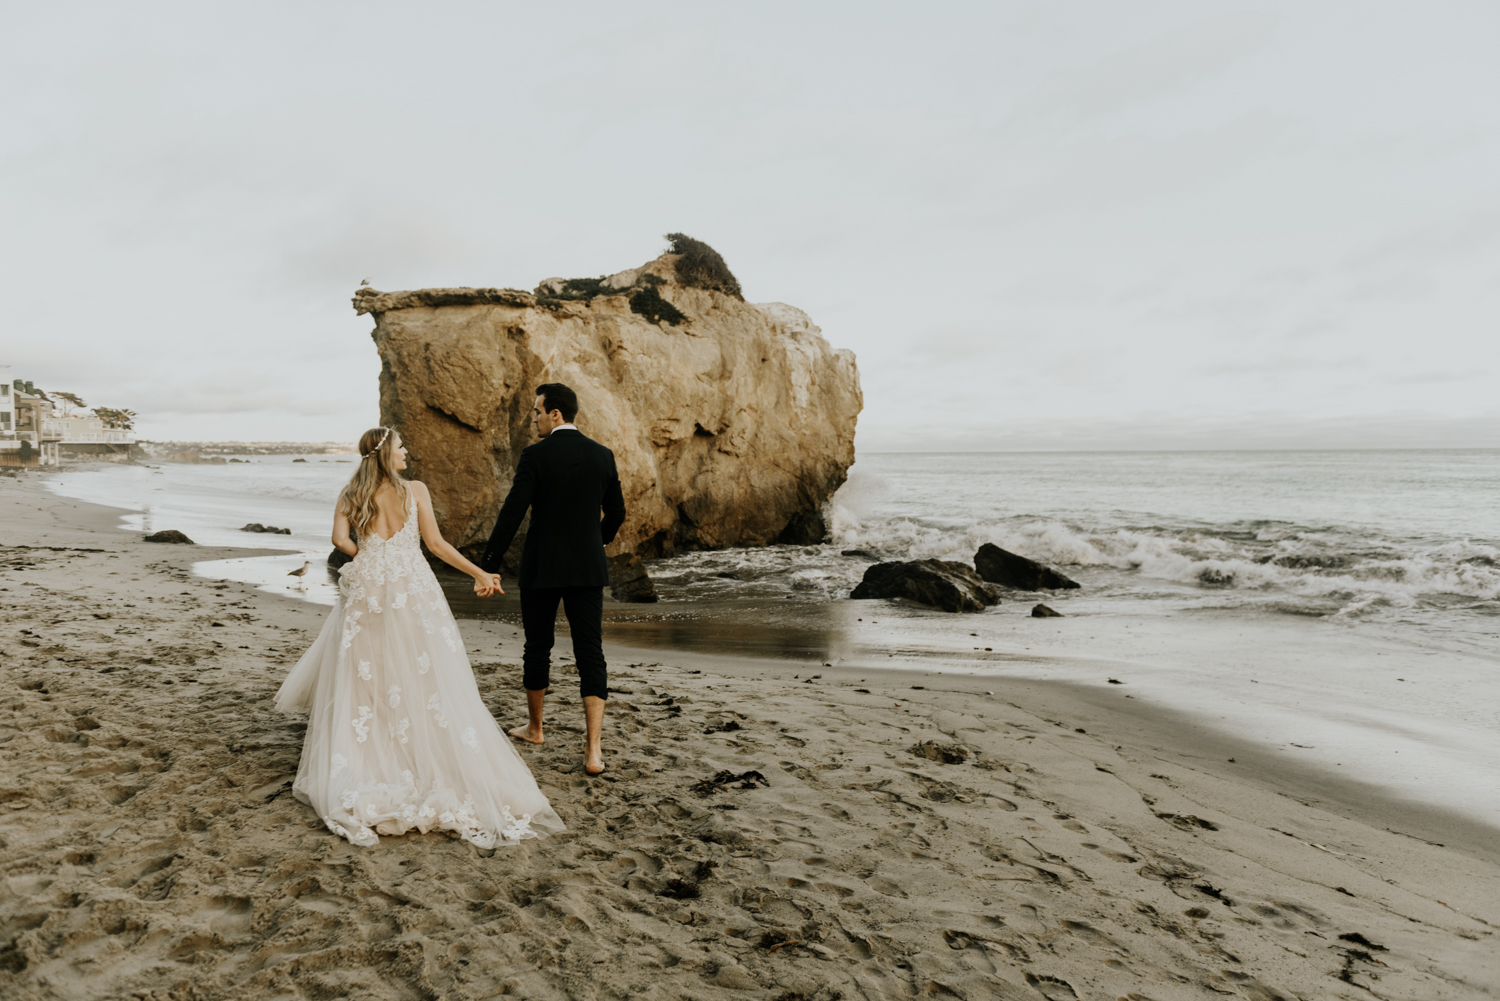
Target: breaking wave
x: 1300, y: 562
x: 1340, y: 570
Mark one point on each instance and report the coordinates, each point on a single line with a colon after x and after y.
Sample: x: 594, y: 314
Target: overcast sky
x: 1038, y: 225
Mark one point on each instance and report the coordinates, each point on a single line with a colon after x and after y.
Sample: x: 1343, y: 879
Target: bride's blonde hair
x: 377, y: 453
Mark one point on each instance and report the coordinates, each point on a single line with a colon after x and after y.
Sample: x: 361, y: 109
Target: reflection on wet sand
x: 714, y: 624
x: 275, y: 574
x: 767, y: 629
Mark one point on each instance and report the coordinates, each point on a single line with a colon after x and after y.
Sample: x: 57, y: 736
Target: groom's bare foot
x: 532, y: 731
x: 593, y: 727
x: 530, y: 734
x: 593, y: 761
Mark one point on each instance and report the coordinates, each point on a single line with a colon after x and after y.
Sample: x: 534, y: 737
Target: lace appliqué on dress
x: 351, y: 625
x: 361, y: 835
x: 362, y: 724
x: 515, y: 830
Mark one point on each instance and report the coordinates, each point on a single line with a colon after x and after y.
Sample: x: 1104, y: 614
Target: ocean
x: 1340, y: 607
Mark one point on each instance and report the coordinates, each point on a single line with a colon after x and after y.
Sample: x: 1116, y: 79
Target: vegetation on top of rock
x: 697, y: 266
x: 575, y: 290
x: 551, y: 292
x: 649, y: 303
x: 644, y: 297
x: 701, y: 266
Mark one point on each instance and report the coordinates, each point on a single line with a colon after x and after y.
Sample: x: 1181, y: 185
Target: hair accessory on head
x: 378, y: 443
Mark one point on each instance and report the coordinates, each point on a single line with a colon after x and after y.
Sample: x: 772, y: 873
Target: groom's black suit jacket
x: 565, y: 479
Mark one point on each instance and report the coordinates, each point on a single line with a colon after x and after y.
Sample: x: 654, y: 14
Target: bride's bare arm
x: 439, y: 546
x: 341, y: 540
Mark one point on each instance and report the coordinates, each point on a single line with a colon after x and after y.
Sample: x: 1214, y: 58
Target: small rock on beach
x: 256, y: 526
x: 170, y: 535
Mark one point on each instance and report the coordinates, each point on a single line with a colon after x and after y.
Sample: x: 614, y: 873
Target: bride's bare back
x: 391, y: 509
x: 390, y: 512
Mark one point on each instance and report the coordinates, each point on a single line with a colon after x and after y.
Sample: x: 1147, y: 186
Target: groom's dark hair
x: 556, y: 396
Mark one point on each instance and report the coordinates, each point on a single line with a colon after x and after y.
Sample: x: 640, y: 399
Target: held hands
x: 488, y: 584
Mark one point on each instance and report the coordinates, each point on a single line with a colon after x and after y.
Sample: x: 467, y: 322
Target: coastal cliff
x: 731, y: 423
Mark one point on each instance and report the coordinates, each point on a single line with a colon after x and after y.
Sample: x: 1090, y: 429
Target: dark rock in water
x: 170, y: 535
x: 1043, y: 612
x: 1009, y: 570
x: 628, y: 580
x: 338, y: 558
x: 953, y: 587
x: 806, y: 528
x: 863, y: 554
x: 1307, y: 562
x: 256, y: 526
x: 727, y: 575
x: 299, y: 460
x: 948, y: 754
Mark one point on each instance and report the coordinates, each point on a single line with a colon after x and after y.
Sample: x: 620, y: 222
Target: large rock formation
x: 731, y: 423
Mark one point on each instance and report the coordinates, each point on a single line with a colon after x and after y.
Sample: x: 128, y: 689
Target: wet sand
x: 757, y: 835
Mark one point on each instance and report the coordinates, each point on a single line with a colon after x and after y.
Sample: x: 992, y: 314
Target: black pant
x: 584, y: 607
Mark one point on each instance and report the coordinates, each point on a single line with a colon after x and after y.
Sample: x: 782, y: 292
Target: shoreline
x: 874, y: 844
x: 1407, y: 710
x: 1182, y: 736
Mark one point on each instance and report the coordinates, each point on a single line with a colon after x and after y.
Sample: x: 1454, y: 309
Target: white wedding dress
x: 398, y: 738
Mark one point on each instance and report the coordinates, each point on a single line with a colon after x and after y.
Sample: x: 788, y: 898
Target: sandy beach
x: 761, y: 831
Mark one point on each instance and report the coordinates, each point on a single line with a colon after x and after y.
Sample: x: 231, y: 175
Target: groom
x: 565, y: 479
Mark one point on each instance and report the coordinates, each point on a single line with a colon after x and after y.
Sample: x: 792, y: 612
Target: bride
x: 398, y: 738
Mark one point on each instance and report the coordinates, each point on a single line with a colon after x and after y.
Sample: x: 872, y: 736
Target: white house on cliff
x: 27, y: 416
x: 7, y: 408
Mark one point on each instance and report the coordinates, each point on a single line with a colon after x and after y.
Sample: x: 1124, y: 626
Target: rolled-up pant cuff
x: 584, y: 607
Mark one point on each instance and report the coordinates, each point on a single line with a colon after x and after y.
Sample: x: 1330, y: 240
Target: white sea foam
x: 1191, y: 556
